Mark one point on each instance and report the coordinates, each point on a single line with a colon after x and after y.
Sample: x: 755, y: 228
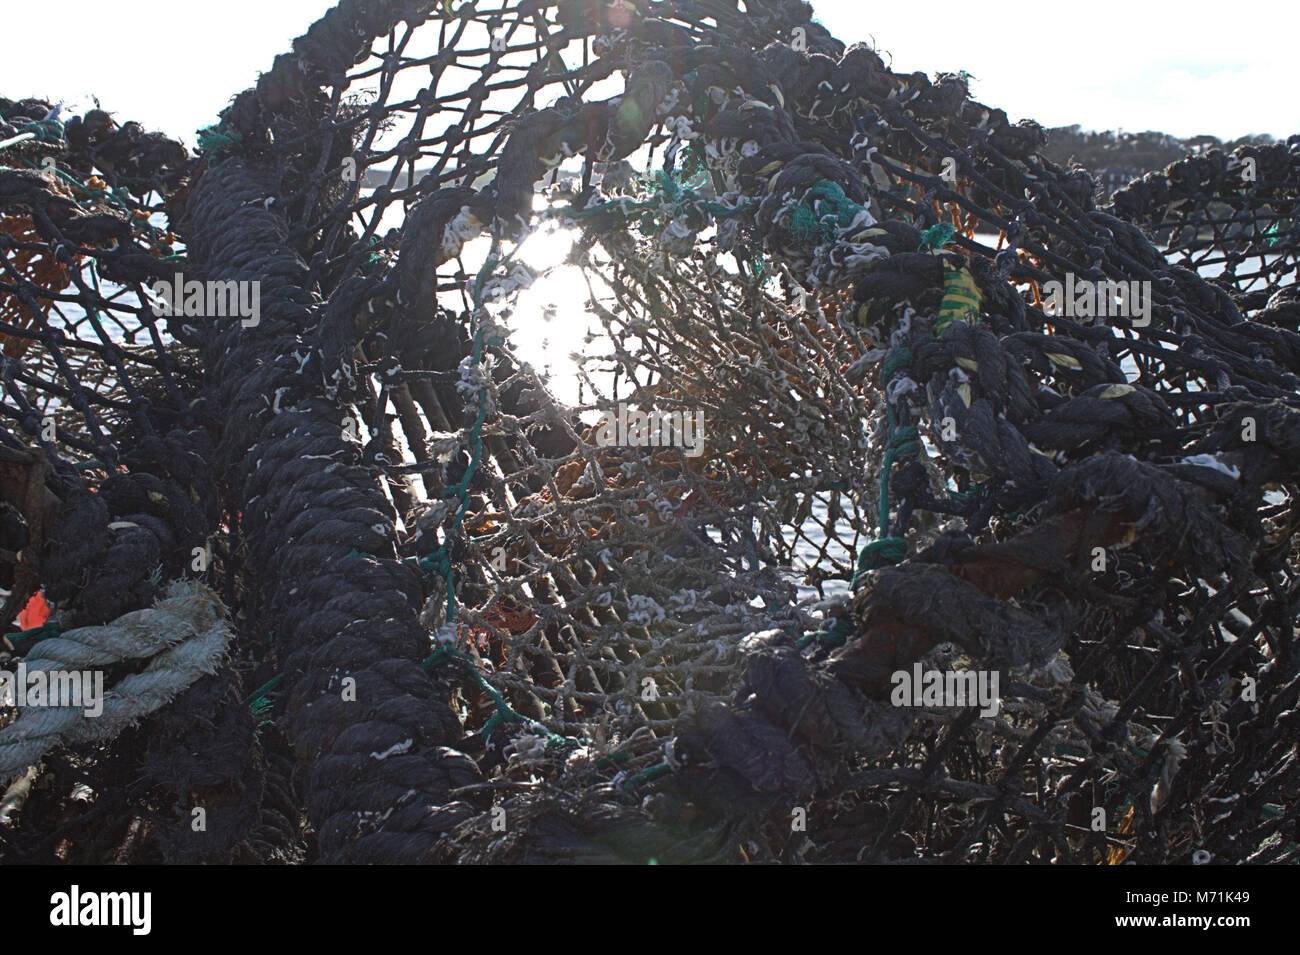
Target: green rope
x: 885, y: 550
x: 900, y: 357
x: 1273, y: 234
x: 881, y: 552
x: 217, y: 139
x: 259, y: 701
x: 670, y: 196
x: 905, y: 442
x: 637, y: 780
x: 836, y: 636
x: 43, y: 130
x: 824, y: 210
x: 936, y: 237
x: 114, y: 197
x: 47, y: 130
x: 34, y: 635
x: 262, y: 691
x: 93, y: 314
x: 439, y: 561
x: 693, y: 162
x: 505, y: 713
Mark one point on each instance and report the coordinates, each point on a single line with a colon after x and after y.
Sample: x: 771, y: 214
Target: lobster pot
x: 598, y: 432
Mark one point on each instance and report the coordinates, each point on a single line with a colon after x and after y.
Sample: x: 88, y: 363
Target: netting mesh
x: 481, y: 615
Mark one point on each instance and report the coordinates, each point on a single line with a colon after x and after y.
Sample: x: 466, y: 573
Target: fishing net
x: 861, y: 385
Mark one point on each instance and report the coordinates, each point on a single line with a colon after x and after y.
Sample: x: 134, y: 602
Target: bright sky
x: 1199, y: 67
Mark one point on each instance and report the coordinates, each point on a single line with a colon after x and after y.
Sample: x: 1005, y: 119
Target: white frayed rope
x: 184, y: 636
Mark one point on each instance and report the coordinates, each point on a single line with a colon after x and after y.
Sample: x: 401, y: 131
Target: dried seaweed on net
x: 859, y: 310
